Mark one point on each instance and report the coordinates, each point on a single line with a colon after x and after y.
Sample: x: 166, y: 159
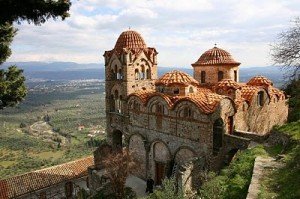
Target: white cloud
x: 180, y: 30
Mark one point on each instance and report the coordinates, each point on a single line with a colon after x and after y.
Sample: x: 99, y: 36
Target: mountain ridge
x: 73, y: 71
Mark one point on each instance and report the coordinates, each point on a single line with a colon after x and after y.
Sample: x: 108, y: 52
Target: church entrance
x: 159, y: 172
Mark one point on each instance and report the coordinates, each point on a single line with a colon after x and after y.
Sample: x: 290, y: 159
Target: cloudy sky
x: 180, y: 30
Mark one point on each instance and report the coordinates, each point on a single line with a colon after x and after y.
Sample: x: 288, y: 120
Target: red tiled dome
x: 130, y: 39
x: 227, y: 83
x: 260, y: 81
x: 176, y: 77
x: 216, y: 56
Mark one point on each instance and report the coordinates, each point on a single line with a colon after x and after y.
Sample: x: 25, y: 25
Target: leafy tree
x: 7, y: 32
x: 286, y: 52
x: 118, y: 165
x: 12, y: 87
x: 36, y: 11
x: 293, y: 91
x: 12, y: 81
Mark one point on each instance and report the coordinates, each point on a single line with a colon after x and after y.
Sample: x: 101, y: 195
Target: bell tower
x: 130, y: 67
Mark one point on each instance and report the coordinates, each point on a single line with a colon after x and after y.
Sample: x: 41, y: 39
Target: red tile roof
x: 248, y: 92
x: 130, y: 39
x: 276, y: 92
x: 36, y: 180
x: 216, y: 56
x: 226, y: 84
x: 260, y: 81
x: 205, y: 99
x: 176, y: 77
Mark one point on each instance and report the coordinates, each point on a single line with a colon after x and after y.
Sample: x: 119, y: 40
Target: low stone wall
x: 251, y: 135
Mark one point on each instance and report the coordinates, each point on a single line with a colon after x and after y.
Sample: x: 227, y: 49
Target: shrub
x: 233, y: 181
x: 169, y: 190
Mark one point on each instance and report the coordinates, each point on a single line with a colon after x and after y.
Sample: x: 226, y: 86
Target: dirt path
x: 260, y: 165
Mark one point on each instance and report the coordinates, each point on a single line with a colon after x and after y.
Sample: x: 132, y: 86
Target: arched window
x: 203, y: 74
x: 260, y: 98
x: 148, y: 74
x: 176, y: 91
x: 159, y: 109
x: 187, y: 112
x: 217, y: 135
x: 112, y: 103
x: 235, y: 75
x: 137, y: 74
x: 119, y: 74
x: 191, y: 90
x: 116, y: 72
x: 220, y: 75
x: 143, y: 75
x: 159, y: 113
x: 136, y: 106
x: 118, y: 102
x: 113, y: 75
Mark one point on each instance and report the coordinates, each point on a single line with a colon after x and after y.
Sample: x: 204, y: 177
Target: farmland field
x: 58, y: 122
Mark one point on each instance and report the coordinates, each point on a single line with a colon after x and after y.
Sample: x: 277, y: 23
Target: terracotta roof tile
x: 248, y: 92
x: 260, y: 81
x: 36, y: 180
x: 205, y: 99
x: 276, y: 92
x: 131, y: 40
x: 216, y: 56
x: 226, y: 84
x: 176, y: 77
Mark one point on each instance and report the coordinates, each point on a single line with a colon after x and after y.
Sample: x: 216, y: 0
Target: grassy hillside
x: 234, y: 180
x: 285, y: 182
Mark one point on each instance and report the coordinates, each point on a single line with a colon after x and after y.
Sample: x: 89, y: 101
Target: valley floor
x: 51, y: 127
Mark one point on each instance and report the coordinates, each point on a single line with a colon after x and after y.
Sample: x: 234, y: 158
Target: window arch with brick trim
x: 136, y: 74
x: 220, y: 75
x: 203, y: 77
x: 260, y: 98
x: 148, y: 73
x: 186, y: 112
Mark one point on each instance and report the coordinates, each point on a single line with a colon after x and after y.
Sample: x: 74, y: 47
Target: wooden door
x: 160, y: 172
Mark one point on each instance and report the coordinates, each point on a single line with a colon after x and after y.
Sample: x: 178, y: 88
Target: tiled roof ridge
x: 36, y: 180
x: 176, y: 77
x: 51, y: 167
x: 206, y: 101
x: 260, y: 80
x: 216, y: 56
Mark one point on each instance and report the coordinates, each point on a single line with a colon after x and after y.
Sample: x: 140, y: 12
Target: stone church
x: 171, y: 121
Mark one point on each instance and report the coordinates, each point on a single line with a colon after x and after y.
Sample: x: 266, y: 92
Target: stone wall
x: 137, y: 148
x: 261, y: 119
x: 212, y: 73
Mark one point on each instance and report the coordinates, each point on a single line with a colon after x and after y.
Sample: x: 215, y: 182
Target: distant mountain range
x: 72, y: 71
